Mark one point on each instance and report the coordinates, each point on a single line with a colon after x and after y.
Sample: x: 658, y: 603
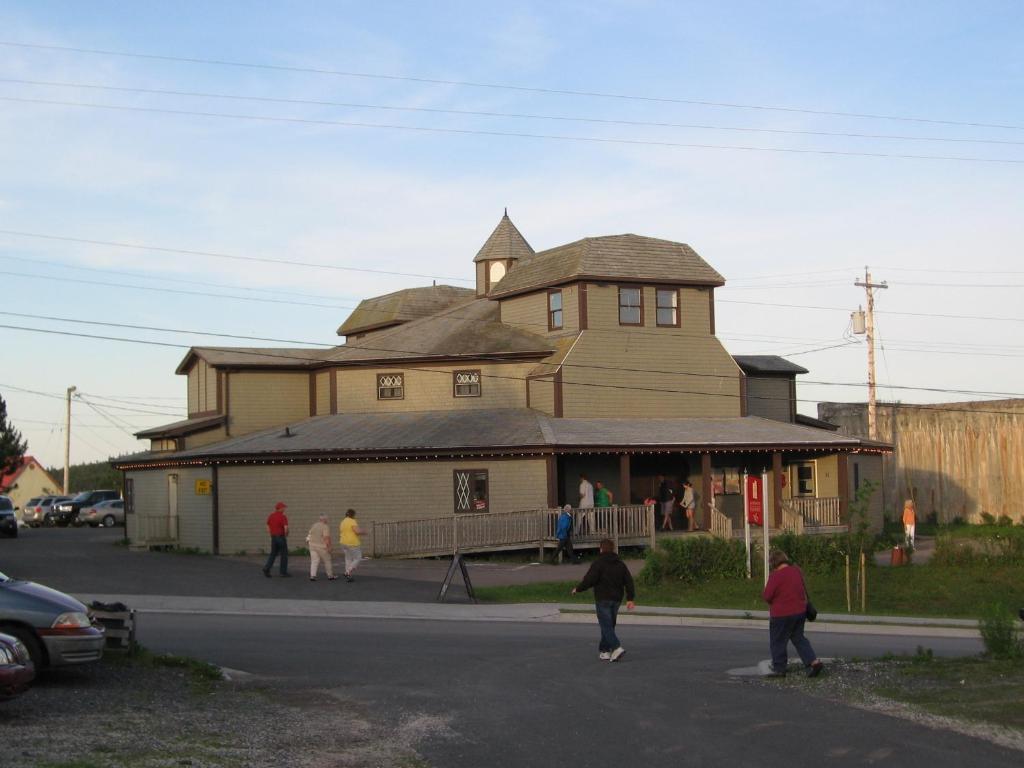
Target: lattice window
x: 471, y: 490
x: 390, y: 386
x: 466, y: 383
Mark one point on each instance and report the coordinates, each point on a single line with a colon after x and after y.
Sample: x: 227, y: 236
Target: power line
x: 501, y: 86
x: 513, y: 134
x: 61, y: 397
x: 512, y: 115
x: 233, y: 256
x: 523, y: 378
x: 888, y: 312
x: 165, y: 278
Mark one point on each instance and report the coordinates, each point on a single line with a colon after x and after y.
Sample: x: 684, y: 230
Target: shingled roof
x: 614, y: 257
x: 505, y: 242
x: 507, y: 429
x: 767, y: 364
x: 402, y: 306
x: 252, y: 357
x: 468, y: 328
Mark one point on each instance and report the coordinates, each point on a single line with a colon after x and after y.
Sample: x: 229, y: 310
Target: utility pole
x: 870, y: 288
x: 67, y: 443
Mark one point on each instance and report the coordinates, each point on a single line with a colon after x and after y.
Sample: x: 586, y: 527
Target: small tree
x: 12, y: 446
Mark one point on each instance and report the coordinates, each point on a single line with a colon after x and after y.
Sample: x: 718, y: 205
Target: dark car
x: 8, y: 520
x: 16, y: 667
x: 55, y: 628
x: 64, y: 512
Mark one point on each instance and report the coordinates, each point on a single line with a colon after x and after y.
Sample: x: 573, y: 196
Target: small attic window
x: 390, y: 386
x: 554, y: 310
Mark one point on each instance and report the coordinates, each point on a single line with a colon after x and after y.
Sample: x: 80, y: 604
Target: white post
x: 746, y: 523
x: 764, y: 519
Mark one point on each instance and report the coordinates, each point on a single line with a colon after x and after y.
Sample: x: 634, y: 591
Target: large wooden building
x: 597, y: 357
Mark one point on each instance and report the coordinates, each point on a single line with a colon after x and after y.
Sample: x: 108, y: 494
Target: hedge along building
x: 597, y: 357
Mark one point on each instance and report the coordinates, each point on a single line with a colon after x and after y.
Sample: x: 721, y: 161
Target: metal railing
x: 155, y: 530
x: 521, y: 529
x: 815, y: 512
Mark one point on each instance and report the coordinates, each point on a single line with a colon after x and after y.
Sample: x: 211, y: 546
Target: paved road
x: 515, y: 694
x: 87, y: 561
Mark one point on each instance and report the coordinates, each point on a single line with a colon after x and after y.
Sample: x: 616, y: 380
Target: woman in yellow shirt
x: 350, y: 543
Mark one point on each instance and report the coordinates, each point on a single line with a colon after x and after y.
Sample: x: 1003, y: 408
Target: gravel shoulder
x: 974, y: 696
x: 148, y: 711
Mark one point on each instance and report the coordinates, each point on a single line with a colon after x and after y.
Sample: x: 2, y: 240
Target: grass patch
x: 976, y: 689
x: 917, y: 590
x: 203, y: 676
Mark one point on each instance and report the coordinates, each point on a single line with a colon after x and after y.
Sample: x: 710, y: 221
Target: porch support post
x: 843, y: 478
x: 777, y: 489
x: 625, y: 492
x: 215, y: 511
x: 704, y: 512
x: 552, y: 467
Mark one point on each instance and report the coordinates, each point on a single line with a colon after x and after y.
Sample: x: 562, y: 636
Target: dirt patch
x: 135, y: 713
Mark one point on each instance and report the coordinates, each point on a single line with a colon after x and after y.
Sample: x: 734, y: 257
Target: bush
x: 999, y: 633
x: 694, y: 559
x: 989, y: 545
x: 988, y: 518
x: 817, y: 554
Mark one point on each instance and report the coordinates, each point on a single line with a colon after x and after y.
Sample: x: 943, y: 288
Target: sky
x: 349, y: 146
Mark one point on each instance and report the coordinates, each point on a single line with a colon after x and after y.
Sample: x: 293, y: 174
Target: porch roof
x: 502, y: 431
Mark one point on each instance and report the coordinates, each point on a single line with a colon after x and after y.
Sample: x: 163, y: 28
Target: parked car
x: 64, y: 512
x: 107, y: 513
x: 16, y: 668
x: 34, y: 514
x: 8, y: 520
x: 56, y: 629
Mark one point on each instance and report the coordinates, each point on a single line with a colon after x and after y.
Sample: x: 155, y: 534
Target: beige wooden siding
x: 262, y: 400
x: 530, y: 312
x: 195, y: 512
x: 430, y: 388
x: 694, y: 308
x: 769, y: 397
x: 323, y: 393
x: 150, y: 497
x: 33, y: 482
x: 378, y: 491
x: 542, y: 395
x: 202, y: 388
x: 696, y: 376
x: 206, y: 437
x: 481, y: 278
x: 826, y: 476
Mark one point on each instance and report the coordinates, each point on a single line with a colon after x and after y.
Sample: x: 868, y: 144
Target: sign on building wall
x: 204, y: 487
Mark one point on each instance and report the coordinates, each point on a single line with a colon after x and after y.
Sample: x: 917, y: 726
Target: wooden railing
x: 792, y: 520
x: 721, y: 525
x: 154, y: 530
x: 521, y: 529
x: 816, y: 513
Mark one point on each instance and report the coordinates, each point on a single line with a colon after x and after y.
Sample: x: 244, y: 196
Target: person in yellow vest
x: 909, y: 521
x: 350, y: 543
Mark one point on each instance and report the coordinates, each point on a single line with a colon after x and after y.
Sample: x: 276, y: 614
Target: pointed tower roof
x: 505, y: 242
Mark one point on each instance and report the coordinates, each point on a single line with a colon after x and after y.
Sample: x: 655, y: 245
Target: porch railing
x: 721, y: 525
x: 792, y: 520
x: 521, y: 529
x: 155, y: 530
x: 815, y: 512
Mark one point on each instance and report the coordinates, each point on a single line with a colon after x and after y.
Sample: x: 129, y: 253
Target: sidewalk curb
x: 527, y: 612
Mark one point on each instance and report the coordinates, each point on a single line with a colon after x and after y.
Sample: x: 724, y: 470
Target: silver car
x: 106, y: 513
x: 35, y: 511
x: 56, y: 628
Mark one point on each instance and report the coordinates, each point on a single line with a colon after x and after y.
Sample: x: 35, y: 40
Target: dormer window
x: 554, y: 310
x: 668, y: 307
x: 497, y: 271
x: 631, y: 306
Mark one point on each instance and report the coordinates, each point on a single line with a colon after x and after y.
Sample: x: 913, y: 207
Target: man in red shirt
x: 277, y: 527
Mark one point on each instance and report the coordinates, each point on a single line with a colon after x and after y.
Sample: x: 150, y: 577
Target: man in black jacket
x: 609, y: 577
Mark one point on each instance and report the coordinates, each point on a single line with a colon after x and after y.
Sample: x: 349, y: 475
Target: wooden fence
x: 522, y: 529
x: 154, y: 530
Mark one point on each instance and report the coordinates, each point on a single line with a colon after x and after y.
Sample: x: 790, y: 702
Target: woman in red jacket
x: 786, y: 595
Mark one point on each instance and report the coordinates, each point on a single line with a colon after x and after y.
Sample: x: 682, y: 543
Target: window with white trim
x: 390, y: 386
x: 466, y: 383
